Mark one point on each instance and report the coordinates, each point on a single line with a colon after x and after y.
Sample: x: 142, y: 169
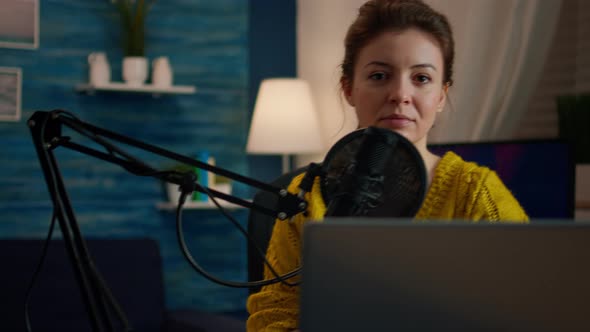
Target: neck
x: 430, y: 160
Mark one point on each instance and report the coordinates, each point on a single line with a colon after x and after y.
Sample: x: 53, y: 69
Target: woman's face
x: 397, y: 84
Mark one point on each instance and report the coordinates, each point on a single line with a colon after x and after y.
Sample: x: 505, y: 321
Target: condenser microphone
x: 373, y: 172
x: 361, y: 185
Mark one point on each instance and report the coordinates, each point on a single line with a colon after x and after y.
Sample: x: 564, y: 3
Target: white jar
x: 100, y: 70
x: 135, y: 70
x: 161, y: 72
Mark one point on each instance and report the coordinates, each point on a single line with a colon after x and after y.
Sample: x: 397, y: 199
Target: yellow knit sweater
x: 459, y: 190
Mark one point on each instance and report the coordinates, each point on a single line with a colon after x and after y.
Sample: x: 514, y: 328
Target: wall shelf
x: 197, y: 205
x: 146, y: 88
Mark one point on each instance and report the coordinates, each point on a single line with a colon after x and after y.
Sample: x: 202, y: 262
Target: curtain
x: 500, y: 47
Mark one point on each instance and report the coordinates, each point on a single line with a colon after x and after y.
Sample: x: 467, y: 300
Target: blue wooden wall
x: 272, y: 53
x: 208, y: 44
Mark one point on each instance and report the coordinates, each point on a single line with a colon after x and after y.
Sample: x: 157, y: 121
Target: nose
x: 399, y: 92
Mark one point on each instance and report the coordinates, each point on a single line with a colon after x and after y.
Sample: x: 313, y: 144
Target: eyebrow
x: 424, y: 65
x: 384, y: 64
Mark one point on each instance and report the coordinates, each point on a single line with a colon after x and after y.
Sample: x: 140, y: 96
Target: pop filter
x: 373, y: 172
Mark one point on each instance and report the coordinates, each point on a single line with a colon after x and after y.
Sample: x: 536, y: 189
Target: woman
x: 397, y: 70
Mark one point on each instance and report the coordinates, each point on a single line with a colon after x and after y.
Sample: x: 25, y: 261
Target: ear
x: 443, y: 98
x: 347, y: 90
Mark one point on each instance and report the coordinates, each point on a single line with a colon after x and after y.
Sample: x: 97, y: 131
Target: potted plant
x: 216, y: 182
x: 133, y: 14
x: 172, y: 190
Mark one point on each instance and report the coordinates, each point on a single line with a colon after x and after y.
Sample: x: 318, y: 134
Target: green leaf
x: 133, y: 13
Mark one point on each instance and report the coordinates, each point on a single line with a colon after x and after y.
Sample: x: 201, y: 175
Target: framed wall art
x: 10, y: 93
x: 19, y: 24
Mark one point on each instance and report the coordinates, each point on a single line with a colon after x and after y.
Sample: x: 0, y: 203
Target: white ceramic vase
x: 161, y: 72
x: 100, y: 71
x: 135, y: 70
x: 173, y: 192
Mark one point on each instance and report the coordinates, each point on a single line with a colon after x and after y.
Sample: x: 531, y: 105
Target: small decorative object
x: 204, y: 178
x: 10, y: 93
x: 173, y: 190
x: 135, y: 70
x: 222, y: 184
x: 100, y: 70
x: 161, y: 72
x: 133, y: 14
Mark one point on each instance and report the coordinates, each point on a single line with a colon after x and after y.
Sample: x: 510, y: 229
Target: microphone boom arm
x: 288, y: 204
x: 46, y: 131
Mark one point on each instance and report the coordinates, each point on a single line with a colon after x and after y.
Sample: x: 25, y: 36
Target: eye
x: 378, y: 76
x: 422, y: 79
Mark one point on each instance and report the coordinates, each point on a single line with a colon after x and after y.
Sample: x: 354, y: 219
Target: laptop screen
x: 393, y: 275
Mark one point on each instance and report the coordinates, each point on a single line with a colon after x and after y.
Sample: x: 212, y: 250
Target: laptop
x: 366, y: 274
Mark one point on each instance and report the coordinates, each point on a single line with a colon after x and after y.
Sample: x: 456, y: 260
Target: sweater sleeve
x: 276, y: 306
x: 495, y: 202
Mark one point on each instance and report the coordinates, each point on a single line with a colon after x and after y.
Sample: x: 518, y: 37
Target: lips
x: 395, y: 121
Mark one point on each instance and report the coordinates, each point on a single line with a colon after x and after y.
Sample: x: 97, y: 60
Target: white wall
x: 321, y: 27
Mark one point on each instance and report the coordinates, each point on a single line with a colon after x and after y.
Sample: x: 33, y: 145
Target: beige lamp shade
x: 284, y: 120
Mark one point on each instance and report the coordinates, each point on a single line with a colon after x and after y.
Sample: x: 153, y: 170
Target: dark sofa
x: 132, y: 268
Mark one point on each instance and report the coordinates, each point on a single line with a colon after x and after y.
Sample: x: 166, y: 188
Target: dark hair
x: 378, y: 16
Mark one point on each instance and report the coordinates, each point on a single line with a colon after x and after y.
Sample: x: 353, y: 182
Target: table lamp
x: 284, y: 120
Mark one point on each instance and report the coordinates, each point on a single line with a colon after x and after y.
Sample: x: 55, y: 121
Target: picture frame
x: 19, y: 24
x: 10, y: 93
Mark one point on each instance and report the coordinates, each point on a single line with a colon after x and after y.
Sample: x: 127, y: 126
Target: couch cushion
x: 132, y: 268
